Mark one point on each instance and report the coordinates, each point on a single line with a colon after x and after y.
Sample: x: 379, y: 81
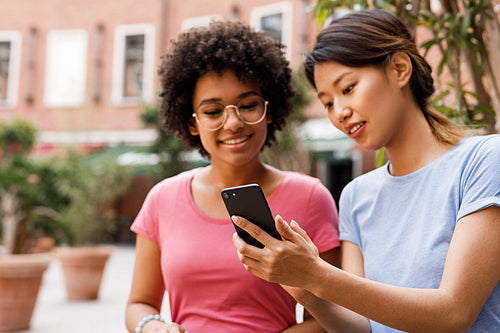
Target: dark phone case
x: 248, y: 201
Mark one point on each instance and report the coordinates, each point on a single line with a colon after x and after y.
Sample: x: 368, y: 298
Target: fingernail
x: 236, y: 219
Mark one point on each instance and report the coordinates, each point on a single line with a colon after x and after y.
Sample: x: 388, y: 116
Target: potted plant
x: 28, y: 189
x: 92, y: 218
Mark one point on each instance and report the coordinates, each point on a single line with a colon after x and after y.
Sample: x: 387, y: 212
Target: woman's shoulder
x: 299, y: 179
x: 478, y: 149
x: 479, y: 142
x: 373, y: 176
x: 300, y: 186
x: 365, y: 185
x: 480, y: 152
x: 170, y: 184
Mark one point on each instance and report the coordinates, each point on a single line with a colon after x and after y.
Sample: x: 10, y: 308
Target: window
x: 66, y: 68
x: 133, y: 66
x: 4, y: 69
x: 276, y: 21
x: 271, y: 24
x: 10, y: 54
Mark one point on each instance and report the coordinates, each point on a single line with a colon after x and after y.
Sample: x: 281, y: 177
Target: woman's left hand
x: 289, y: 261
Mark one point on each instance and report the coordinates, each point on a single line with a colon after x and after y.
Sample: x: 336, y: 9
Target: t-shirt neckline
x: 213, y: 220
x: 423, y: 169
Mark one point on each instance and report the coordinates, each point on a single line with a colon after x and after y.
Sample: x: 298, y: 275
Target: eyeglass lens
x: 249, y: 109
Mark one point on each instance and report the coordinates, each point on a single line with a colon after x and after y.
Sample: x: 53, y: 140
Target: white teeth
x: 355, y: 128
x: 235, y: 141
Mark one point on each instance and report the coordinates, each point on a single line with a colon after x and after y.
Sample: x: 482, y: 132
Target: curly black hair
x: 253, y: 56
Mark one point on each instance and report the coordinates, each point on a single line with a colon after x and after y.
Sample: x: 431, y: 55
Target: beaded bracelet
x: 147, y: 319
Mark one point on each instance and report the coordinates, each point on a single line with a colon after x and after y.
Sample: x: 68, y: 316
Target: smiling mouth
x: 236, y: 141
x: 355, y: 128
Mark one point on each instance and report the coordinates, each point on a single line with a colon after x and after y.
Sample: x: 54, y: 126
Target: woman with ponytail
x: 420, y: 235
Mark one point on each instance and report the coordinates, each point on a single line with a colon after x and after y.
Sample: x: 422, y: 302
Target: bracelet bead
x: 147, y: 319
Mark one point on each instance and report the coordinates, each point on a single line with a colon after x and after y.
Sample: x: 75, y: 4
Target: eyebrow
x: 337, y: 81
x: 218, y: 100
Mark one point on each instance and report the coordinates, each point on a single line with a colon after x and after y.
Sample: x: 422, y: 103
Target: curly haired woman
x: 226, y: 90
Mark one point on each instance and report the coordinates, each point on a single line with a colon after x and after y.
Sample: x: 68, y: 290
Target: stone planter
x: 83, y: 268
x: 20, y: 279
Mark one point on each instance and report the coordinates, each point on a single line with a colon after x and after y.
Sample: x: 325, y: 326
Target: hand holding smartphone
x: 249, y: 202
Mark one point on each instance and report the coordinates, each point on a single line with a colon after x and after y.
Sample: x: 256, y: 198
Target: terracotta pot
x: 20, y: 279
x: 83, y: 268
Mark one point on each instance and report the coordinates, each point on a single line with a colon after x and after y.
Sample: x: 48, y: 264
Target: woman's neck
x: 221, y: 176
x: 415, y: 148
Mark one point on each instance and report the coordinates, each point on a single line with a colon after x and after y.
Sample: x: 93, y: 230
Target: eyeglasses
x: 250, y: 110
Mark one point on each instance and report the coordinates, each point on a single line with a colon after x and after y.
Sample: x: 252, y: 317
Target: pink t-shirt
x: 209, y: 289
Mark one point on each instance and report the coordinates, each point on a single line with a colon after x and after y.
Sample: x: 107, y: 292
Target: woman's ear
x: 402, y: 67
x: 193, y: 128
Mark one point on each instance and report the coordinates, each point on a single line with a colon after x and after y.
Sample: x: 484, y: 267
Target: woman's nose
x: 341, y: 113
x: 233, y: 121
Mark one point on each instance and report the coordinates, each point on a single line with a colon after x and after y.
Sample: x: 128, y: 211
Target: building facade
x: 82, y: 70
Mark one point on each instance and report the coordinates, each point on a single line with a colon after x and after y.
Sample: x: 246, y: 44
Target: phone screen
x: 249, y: 201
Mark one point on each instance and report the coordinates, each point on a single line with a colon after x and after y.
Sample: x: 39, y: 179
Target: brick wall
x: 35, y: 19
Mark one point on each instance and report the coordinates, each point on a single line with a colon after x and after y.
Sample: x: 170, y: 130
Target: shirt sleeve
x: 480, y: 182
x: 146, y: 221
x: 349, y: 230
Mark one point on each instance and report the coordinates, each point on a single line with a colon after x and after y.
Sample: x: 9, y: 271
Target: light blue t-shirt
x: 403, y: 225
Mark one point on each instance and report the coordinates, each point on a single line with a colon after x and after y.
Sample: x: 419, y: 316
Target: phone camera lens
x: 225, y: 195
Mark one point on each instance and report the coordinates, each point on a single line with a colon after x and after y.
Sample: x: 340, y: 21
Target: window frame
x: 199, y: 21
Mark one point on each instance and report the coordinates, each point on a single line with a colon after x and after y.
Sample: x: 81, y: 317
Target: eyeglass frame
x: 235, y: 107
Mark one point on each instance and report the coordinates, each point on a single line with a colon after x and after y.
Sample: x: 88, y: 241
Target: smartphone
x: 249, y: 201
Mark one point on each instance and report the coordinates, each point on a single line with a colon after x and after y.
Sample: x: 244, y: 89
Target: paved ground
x: 54, y: 314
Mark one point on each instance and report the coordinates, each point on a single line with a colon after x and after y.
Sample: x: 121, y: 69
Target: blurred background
x: 81, y: 141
